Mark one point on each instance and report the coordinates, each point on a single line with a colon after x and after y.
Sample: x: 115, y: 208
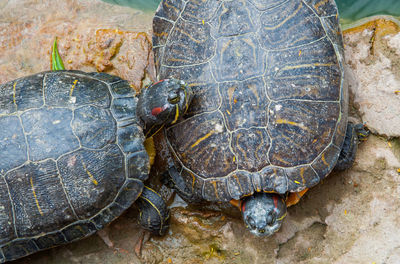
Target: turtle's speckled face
x: 263, y: 213
x: 163, y: 103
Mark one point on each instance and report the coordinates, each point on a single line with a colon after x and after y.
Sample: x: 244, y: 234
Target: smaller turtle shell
x: 71, y: 158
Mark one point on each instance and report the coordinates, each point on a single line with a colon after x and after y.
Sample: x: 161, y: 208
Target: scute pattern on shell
x: 270, y: 106
x: 71, y: 158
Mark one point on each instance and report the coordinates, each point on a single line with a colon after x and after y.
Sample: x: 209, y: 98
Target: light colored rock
x: 394, y: 42
x: 373, y: 53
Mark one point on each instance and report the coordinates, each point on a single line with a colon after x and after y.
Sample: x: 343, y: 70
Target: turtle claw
x: 144, y: 236
x: 362, y: 131
x: 103, y: 234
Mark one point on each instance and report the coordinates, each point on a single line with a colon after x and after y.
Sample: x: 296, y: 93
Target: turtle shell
x: 270, y: 106
x: 71, y: 158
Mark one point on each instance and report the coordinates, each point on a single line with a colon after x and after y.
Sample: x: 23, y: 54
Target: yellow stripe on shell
x: 323, y: 159
x: 198, y: 41
x: 14, y: 93
x: 302, y: 175
x: 317, y: 5
x: 193, y: 181
x: 286, y: 19
x: 73, y: 87
x: 169, y: 6
x: 281, y: 160
x: 284, y: 121
x: 238, y: 181
x: 36, y: 199
x: 95, y: 182
x: 214, y: 183
x: 202, y: 138
x: 307, y: 66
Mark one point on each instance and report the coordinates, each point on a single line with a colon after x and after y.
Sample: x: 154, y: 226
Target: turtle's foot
x: 362, y: 132
x: 154, y: 214
x: 144, y: 236
x: 294, y: 198
x: 103, y: 234
x: 354, y: 134
x: 173, y: 179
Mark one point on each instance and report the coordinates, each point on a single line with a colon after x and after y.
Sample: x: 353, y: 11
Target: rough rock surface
x: 92, y: 36
x: 352, y: 217
x: 373, y: 52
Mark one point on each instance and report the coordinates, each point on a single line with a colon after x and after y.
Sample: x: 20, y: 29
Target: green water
x: 350, y: 10
x: 145, y: 5
x: 353, y: 10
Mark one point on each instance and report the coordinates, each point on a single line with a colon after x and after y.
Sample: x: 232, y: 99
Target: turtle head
x: 263, y: 213
x: 163, y: 103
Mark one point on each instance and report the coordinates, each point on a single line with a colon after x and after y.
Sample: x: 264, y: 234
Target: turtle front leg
x: 294, y: 198
x: 354, y: 134
x: 175, y: 180
x: 153, y: 212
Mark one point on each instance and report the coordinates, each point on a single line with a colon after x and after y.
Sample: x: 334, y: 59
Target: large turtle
x: 269, y: 115
x: 72, y: 157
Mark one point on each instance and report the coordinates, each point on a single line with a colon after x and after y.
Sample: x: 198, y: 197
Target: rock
x: 92, y: 35
x: 373, y: 53
x: 123, y: 53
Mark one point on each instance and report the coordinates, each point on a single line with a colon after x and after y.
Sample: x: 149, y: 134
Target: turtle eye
x: 251, y: 222
x: 173, y: 97
x: 271, y: 218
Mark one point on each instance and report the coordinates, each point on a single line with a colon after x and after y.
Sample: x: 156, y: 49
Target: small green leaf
x: 56, y: 61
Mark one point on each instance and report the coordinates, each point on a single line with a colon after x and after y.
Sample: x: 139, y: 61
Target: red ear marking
x: 243, y: 205
x: 157, y: 110
x: 275, y: 201
x: 159, y: 81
